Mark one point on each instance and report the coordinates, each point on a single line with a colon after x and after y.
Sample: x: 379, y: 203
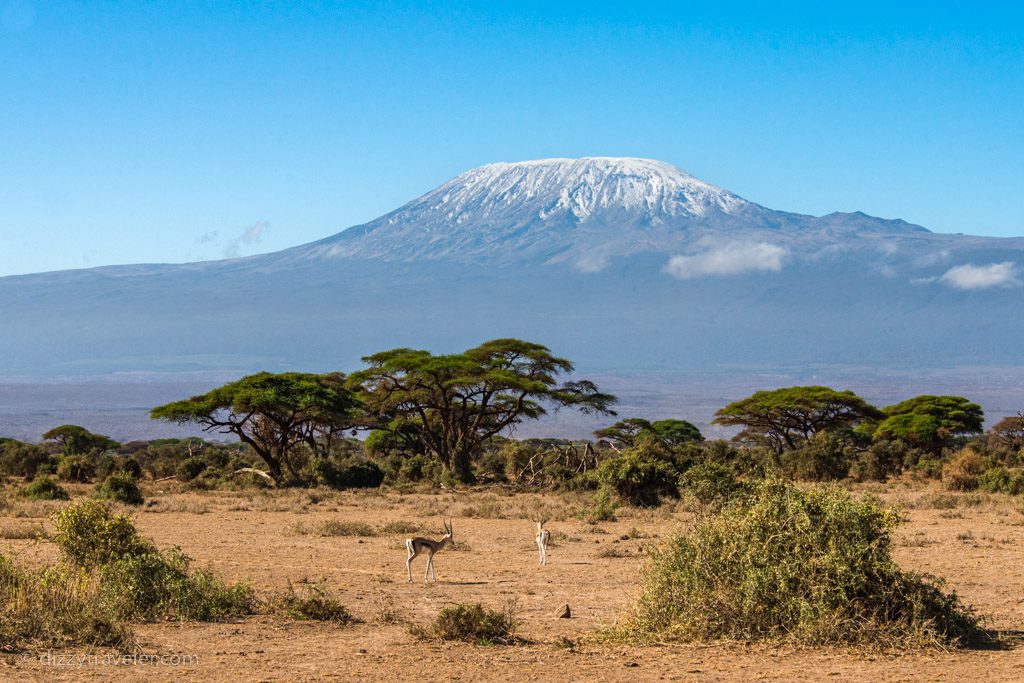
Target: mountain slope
x: 615, y: 263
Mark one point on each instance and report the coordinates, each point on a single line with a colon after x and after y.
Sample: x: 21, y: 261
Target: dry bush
x: 23, y: 533
x: 315, y: 603
x: 400, y: 527
x: 475, y: 623
x: 961, y: 473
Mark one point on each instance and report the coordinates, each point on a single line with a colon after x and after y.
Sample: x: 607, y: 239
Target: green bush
x: 360, y: 474
x: 824, y: 457
x: 137, y: 581
x: 120, y: 487
x: 162, y: 585
x: 22, y: 459
x: 810, y: 567
x: 639, y: 481
x: 1001, y: 480
x: 45, y: 488
x: 317, y: 604
x: 75, y: 468
x: 476, y: 624
x: 89, y: 534
x: 189, y: 469
x: 711, y: 483
x: 417, y: 468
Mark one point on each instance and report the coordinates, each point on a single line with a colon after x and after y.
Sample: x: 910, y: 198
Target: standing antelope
x: 417, y: 545
x: 542, y: 537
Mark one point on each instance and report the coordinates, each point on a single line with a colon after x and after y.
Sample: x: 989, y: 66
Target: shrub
x: 161, y: 584
x: 1002, y: 480
x: 810, y: 567
x: 357, y: 473
x: 603, y: 510
x: 711, y: 483
x: 317, y: 604
x: 45, y: 488
x: 825, y: 457
x: 22, y: 459
x: 134, y: 579
x: 131, y: 467
x: 89, y: 534
x: 120, y: 487
x: 476, y: 624
x: 53, y: 609
x: 961, y: 473
x: 106, y: 465
x: 75, y: 468
x: 189, y: 469
x: 417, y: 468
x: 640, y: 481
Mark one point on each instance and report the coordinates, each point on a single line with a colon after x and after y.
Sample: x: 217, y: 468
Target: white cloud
x: 250, y: 235
x: 970, y: 276
x: 728, y: 259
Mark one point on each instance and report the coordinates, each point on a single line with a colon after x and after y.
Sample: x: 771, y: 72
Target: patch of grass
x: 475, y: 623
x: 400, y: 528
x: 23, y: 533
x: 55, y: 609
x: 811, y: 567
x: 335, y: 527
x: 315, y: 604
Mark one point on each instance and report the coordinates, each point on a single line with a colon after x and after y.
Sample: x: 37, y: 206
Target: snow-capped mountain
x: 581, y: 212
x: 614, y: 263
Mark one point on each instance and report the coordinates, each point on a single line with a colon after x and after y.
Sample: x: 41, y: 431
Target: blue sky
x: 142, y: 132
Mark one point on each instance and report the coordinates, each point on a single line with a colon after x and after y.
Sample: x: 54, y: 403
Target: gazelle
x: 417, y: 545
x: 542, y: 537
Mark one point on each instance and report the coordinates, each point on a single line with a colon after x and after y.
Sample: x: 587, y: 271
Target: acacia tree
x: 272, y: 413
x: 450, y: 404
x: 931, y: 422
x: 75, y: 440
x: 1010, y: 430
x: 668, y: 432
x: 787, y: 418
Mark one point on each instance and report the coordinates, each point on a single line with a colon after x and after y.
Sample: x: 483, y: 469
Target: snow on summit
x: 582, y: 213
x: 581, y: 187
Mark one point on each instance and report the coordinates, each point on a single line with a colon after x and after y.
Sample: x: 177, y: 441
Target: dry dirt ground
x: 974, y: 541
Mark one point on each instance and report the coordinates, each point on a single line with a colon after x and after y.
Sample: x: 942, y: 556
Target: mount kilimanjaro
x: 618, y: 264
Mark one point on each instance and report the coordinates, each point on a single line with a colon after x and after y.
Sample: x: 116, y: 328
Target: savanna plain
x: 351, y: 543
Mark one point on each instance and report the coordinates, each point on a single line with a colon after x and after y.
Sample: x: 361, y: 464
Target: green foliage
x: 712, y: 483
x: 931, y: 422
x: 349, y: 473
x: 638, y: 480
x: 273, y: 414
x: 21, y: 459
x: 1001, y: 480
x: 161, y: 585
x: 120, y: 487
x: 824, y: 457
x: 448, y: 406
x: 77, y: 440
x: 189, y: 468
x: 90, y: 534
x: 810, y: 567
x: 77, y: 468
x: 668, y: 433
x: 137, y: 581
x: 476, y: 624
x: 785, y: 418
x: 45, y: 488
x: 315, y: 604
